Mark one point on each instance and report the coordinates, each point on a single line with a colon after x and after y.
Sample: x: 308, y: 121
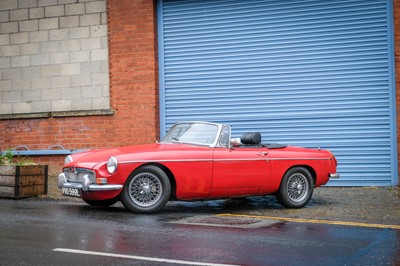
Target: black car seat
x: 251, y: 138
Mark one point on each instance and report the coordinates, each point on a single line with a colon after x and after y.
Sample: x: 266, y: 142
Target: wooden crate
x: 23, y: 181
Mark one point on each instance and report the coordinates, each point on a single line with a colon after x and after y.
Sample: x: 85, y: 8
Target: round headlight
x: 112, y: 165
x: 68, y: 159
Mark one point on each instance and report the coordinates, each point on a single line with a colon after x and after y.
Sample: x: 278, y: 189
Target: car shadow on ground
x: 266, y: 203
x: 236, y: 205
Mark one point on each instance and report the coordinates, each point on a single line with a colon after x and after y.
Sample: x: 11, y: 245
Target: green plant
x: 8, y: 158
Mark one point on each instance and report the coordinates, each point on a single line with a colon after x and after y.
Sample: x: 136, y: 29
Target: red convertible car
x: 196, y: 160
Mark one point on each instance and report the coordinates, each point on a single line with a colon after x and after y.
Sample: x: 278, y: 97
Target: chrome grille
x: 76, y: 174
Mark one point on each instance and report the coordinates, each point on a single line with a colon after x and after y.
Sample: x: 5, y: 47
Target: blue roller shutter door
x: 308, y: 73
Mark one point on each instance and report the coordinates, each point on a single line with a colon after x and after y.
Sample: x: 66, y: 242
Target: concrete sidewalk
x: 374, y: 205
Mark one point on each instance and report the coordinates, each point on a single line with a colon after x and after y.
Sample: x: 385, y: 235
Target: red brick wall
x: 134, y: 93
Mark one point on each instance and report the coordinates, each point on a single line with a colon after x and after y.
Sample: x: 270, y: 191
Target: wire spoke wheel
x: 145, y: 189
x: 297, y: 187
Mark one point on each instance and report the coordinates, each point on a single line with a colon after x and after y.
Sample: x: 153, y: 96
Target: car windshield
x: 196, y: 133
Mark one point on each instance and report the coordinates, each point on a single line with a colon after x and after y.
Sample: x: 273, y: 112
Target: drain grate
x: 234, y: 222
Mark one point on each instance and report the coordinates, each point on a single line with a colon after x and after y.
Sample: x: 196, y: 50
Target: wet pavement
x: 379, y: 205
x: 372, y: 205
x: 51, y: 231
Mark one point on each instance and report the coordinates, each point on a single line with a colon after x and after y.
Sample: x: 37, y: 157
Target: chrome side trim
x: 242, y: 159
x: 166, y: 161
x: 298, y: 159
x: 219, y: 160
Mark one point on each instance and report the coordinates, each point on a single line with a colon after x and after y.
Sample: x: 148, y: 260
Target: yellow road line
x: 314, y: 221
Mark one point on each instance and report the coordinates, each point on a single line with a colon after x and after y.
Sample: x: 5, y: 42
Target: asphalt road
x: 46, y: 232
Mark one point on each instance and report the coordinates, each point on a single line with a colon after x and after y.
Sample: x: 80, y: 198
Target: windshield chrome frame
x: 217, y: 138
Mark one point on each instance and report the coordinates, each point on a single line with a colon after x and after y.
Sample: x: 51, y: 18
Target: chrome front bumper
x: 86, y: 185
x: 334, y: 175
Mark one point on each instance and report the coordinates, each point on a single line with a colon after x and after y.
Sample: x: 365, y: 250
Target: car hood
x: 91, y: 158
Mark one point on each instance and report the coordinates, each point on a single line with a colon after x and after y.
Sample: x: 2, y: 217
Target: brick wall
x: 133, y: 93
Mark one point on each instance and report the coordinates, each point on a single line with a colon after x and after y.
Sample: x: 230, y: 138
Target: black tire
x: 147, y: 190
x: 296, y: 188
x: 101, y: 203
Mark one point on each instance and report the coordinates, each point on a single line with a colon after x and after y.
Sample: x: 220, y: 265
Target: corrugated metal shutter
x: 308, y: 73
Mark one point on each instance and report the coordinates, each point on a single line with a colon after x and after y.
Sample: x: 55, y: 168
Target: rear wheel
x: 296, y: 188
x: 147, y: 190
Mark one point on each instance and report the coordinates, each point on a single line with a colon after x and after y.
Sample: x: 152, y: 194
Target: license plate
x: 71, y: 192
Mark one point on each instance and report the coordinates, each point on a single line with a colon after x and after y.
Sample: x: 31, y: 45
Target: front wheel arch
x: 168, y: 172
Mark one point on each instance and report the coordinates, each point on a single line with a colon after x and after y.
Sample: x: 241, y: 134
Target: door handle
x: 262, y: 153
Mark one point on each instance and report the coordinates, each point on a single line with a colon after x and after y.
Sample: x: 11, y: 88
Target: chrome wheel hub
x: 297, y: 188
x: 145, y: 189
